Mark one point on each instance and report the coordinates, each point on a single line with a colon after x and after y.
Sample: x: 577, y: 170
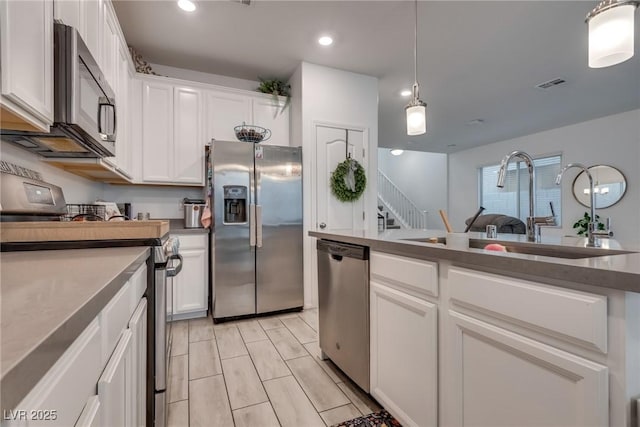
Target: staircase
x: 390, y: 223
x: 401, y: 208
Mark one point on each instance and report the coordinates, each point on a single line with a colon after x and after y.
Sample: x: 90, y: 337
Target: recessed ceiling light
x: 396, y: 151
x: 325, y: 41
x: 187, y: 5
x: 405, y: 92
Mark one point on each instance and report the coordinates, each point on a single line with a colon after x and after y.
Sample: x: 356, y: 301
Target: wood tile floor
x: 258, y: 373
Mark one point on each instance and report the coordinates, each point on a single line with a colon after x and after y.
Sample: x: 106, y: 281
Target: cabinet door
x: 91, y: 32
x: 110, y: 42
x: 26, y: 52
x: 190, y: 286
x: 188, y: 141
x: 269, y: 114
x: 502, y: 378
x: 114, y: 386
x: 69, y: 12
x: 138, y: 328
x: 224, y: 112
x: 91, y: 414
x: 122, y: 159
x: 157, y: 132
x: 404, y: 355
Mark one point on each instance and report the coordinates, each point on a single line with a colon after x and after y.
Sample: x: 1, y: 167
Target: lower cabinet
x: 404, y: 355
x: 404, y: 338
x: 190, y: 287
x: 503, y: 378
x: 98, y: 381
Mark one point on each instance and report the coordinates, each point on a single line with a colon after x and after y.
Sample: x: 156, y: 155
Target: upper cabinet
x: 172, y: 142
x: 110, y: 46
x: 26, y: 53
x: 90, y: 28
x: 227, y: 109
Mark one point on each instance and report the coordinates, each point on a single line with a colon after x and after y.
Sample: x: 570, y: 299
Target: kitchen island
x: 475, y: 337
x: 50, y: 301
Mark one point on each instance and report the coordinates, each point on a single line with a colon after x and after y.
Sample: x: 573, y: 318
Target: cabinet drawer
x: 65, y: 387
x: 139, y: 284
x: 413, y: 276
x: 191, y: 241
x: 566, y: 313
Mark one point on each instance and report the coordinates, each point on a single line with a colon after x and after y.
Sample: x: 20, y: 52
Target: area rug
x: 377, y: 419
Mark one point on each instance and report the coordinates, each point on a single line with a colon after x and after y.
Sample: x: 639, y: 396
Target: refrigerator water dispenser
x: 235, y: 204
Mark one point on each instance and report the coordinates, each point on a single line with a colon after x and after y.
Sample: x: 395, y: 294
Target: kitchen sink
x: 553, y: 251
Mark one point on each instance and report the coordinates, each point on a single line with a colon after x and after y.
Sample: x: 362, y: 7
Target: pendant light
x: 416, y: 110
x: 611, y: 32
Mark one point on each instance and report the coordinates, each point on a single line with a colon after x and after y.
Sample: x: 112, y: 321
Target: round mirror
x: 609, y: 186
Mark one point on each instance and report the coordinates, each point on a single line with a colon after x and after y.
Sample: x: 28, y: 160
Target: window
x: 513, y: 199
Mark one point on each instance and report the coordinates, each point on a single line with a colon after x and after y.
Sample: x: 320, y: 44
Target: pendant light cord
x: 415, y: 54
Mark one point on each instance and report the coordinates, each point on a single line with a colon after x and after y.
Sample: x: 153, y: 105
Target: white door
x: 188, y: 154
x: 114, y: 386
x: 332, y: 149
x: 501, y: 378
x: 157, y: 132
x: 138, y: 372
x: 224, y: 112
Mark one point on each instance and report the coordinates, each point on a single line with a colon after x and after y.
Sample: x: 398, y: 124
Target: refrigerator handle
x: 259, y: 225
x: 252, y: 225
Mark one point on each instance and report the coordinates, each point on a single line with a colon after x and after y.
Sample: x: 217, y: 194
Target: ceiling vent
x: 551, y: 83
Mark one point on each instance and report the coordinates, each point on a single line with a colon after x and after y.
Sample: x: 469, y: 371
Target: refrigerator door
x: 279, y: 238
x: 234, y: 256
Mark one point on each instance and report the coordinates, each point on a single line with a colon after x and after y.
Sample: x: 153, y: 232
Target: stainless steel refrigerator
x: 256, y: 238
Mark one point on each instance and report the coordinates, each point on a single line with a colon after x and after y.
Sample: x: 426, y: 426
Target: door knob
x: 323, y: 225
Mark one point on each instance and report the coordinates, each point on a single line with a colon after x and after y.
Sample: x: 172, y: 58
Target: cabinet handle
x: 252, y: 225
x: 259, y: 225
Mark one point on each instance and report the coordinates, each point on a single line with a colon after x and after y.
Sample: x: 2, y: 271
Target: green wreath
x: 339, y: 187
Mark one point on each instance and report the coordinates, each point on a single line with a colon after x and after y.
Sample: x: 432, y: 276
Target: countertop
x: 47, y: 299
x: 620, y: 272
x: 176, y: 226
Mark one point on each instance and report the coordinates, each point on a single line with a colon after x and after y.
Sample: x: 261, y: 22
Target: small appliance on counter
x: 193, y: 209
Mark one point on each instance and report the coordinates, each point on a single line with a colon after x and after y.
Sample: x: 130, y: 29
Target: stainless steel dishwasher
x: 343, y: 306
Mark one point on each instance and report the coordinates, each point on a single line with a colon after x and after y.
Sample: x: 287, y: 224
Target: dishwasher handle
x: 339, y: 250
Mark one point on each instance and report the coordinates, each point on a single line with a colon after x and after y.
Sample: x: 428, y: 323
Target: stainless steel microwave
x: 84, y: 105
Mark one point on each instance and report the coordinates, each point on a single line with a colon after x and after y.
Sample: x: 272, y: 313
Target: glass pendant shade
x: 416, y: 119
x: 611, y: 36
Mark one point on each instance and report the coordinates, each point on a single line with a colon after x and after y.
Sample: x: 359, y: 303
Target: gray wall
x: 612, y: 140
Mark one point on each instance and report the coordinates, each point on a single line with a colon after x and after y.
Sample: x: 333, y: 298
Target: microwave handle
x: 107, y: 102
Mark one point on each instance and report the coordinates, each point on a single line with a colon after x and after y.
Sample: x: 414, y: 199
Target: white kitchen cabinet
x: 269, y: 114
x: 225, y: 110
x: 91, y: 415
x: 404, y: 340
x: 503, y: 378
x: 157, y: 132
x: 172, y: 142
x: 190, y: 287
x: 26, y: 53
x: 91, y: 13
x: 188, y: 149
x: 114, y: 386
x: 70, y: 13
x: 138, y: 328
x: 110, y: 45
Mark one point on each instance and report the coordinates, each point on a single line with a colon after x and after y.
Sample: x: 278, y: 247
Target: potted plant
x: 276, y: 88
x: 582, y: 225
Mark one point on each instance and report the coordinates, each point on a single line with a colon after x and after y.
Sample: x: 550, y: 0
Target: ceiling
x: 476, y: 59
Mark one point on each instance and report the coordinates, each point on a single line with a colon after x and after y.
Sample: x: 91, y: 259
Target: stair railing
x: 401, y: 206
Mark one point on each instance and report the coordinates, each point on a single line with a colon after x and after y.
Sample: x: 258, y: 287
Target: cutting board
x: 78, y: 230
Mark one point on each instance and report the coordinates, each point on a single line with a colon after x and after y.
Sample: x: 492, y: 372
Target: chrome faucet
x: 531, y: 235
x: 593, y: 223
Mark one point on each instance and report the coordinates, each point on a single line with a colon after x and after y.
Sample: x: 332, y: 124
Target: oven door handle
x: 175, y: 270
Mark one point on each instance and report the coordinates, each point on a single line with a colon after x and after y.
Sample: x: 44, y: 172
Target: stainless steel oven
x: 167, y: 264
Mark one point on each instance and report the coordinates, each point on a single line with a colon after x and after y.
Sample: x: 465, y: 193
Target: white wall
x: 421, y: 177
x: 75, y: 188
x: 197, y: 76
x: 160, y: 202
x: 328, y: 95
x: 612, y: 140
